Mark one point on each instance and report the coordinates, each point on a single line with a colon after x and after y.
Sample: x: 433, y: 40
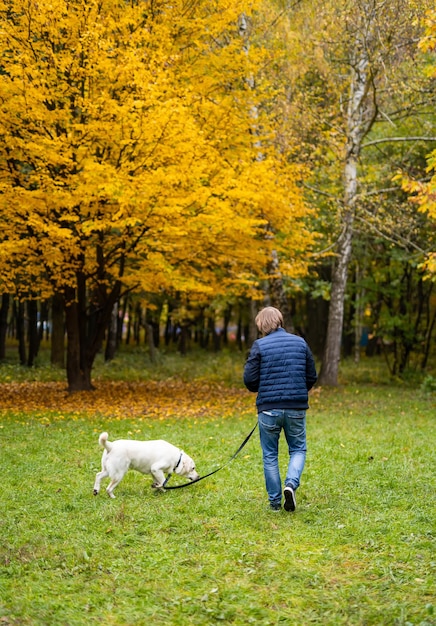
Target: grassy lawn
x: 360, y: 549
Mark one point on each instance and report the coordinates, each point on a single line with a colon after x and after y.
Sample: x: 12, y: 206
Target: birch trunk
x: 360, y: 117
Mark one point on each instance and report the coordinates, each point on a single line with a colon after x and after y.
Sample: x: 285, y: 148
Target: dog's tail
x: 104, y: 443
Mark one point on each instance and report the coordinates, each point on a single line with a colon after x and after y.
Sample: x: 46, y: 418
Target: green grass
x: 359, y: 550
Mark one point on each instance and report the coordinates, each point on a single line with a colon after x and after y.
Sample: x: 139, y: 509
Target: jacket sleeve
x: 311, y: 375
x: 252, y: 369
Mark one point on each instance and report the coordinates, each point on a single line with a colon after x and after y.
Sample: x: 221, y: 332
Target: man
x: 281, y: 369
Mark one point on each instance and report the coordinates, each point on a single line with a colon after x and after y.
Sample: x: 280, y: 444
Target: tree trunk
x: 360, y: 117
x: 120, y: 321
x: 427, y: 342
x: 317, y: 316
x: 78, y: 374
x: 358, y: 316
x: 226, y: 322
x: 183, y: 339
x: 57, y: 350
x: 44, y: 327
x: 19, y: 316
x: 4, y: 324
x: 216, y: 338
x: 137, y: 324
x: 430, y: 320
x: 111, y: 341
x: 32, y: 331
x: 250, y: 329
x: 277, y: 292
x: 129, y: 322
x: 150, y: 342
x: 86, y: 330
x: 332, y: 350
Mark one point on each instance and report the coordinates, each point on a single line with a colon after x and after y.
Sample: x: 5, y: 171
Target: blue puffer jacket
x: 280, y: 367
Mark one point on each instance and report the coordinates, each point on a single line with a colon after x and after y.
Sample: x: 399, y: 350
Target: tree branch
x: 397, y: 239
x: 389, y: 139
x: 322, y: 193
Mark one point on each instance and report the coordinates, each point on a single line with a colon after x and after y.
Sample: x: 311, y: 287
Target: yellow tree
x: 127, y: 159
x: 424, y: 193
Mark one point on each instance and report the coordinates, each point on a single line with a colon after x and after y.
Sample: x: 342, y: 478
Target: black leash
x: 214, y: 471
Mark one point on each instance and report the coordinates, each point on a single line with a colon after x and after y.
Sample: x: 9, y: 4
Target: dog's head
x: 186, y: 467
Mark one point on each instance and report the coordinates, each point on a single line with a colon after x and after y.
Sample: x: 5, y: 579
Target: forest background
x: 168, y: 168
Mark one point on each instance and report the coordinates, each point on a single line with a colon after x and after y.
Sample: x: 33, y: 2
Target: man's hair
x: 268, y: 319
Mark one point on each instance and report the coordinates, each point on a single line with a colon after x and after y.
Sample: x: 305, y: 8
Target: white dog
x: 147, y: 457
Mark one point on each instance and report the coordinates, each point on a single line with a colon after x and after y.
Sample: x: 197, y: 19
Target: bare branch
x: 397, y: 239
x: 378, y: 192
x: 389, y: 139
x: 321, y: 193
x: 319, y: 253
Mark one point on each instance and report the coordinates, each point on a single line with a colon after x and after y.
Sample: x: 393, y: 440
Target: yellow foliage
x: 428, y: 42
x: 127, y: 148
x: 424, y: 193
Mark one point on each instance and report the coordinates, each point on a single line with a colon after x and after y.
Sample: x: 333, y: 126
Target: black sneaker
x: 290, y: 502
x: 275, y: 507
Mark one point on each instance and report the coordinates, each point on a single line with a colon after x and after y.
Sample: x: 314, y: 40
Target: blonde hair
x: 268, y: 319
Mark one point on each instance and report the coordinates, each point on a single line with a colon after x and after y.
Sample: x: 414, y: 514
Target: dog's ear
x: 188, y: 464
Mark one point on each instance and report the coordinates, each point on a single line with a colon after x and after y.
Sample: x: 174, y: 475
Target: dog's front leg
x: 159, y: 478
x: 161, y: 487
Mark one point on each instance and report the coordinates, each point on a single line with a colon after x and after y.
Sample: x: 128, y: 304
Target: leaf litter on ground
x: 121, y: 400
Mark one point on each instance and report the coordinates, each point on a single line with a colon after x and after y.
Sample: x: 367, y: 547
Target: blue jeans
x: 271, y: 423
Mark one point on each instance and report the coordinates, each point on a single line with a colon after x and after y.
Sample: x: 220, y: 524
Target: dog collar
x: 178, y: 462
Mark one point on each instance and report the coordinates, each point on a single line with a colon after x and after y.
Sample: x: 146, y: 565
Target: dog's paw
x: 158, y: 487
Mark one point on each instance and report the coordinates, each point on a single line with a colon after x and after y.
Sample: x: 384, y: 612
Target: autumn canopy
x: 217, y: 154
x: 134, y: 155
